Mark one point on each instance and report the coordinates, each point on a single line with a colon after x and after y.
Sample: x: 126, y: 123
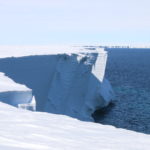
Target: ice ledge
x: 7, y: 84
x: 13, y: 93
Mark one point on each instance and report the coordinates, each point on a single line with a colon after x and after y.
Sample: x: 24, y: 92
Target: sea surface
x: 128, y: 70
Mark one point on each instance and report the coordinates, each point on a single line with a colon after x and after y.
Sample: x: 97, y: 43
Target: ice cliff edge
x: 78, y: 86
x: 63, y: 81
x: 13, y: 93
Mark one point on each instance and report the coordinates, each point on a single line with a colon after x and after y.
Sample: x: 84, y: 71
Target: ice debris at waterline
x: 67, y: 82
x: 29, y: 106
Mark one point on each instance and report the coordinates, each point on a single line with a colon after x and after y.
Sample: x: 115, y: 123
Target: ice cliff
x: 67, y: 82
x: 78, y: 86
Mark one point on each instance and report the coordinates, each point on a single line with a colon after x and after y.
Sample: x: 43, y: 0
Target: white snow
x: 13, y: 93
x: 18, y: 51
x: 7, y: 84
x: 25, y: 130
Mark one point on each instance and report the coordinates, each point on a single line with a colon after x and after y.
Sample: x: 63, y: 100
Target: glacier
x: 68, y: 81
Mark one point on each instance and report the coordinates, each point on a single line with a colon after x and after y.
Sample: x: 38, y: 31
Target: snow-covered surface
x: 25, y: 130
x: 13, y: 93
x: 18, y: 51
x: 7, y: 84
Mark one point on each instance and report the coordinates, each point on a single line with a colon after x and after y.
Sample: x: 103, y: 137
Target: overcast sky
x: 44, y: 22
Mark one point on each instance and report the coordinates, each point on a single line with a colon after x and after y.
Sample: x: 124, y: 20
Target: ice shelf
x: 78, y: 86
x: 69, y: 81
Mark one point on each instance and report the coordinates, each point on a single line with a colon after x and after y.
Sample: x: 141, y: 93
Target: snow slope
x: 13, y: 93
x: 25, y: 130
x: 20, y: 51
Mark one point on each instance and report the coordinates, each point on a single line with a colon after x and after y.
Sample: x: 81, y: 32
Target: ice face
x: 76, y: 86
x: 66, y: 82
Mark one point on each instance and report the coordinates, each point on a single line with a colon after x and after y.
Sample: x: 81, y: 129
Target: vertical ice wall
x: 76, y: 86
x: 100, y: 65
x: 98, y: 70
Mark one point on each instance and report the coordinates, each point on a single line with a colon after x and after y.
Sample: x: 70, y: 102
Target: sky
x: 45, y: 22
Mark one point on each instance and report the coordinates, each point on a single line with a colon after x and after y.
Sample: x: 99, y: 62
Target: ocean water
x: 128, y: 70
